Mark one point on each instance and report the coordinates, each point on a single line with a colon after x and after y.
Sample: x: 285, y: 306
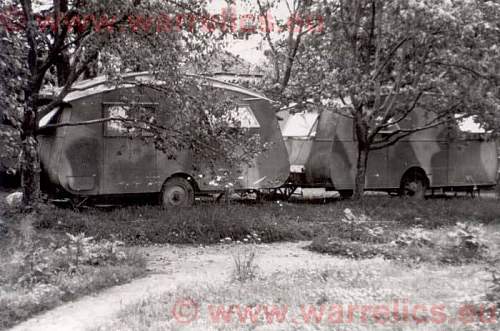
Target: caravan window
x: 470, y: 125
x: 301, y: 125
x: 241, y: 116
x: 52, y: 117
x: 117, y: 128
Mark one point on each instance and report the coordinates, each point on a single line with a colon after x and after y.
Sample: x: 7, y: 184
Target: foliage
x: 355, y: 237
x: 360, y: 237
x: 462, y: 243
x: 12, y: 82
x: 414, y: 237
x: 360, y: 229
x: 468, y: 240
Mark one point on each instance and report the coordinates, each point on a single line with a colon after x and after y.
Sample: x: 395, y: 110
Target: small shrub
x: 416, y: 237
x: 356, y: 236
x: 321, y: 243
x: 467, y: 240
x: 245, y: 268
x: 464, y: 243
x: 354, y: 224
x: 360, y: 228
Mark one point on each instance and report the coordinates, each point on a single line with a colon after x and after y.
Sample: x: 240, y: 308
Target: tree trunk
x: 30, y: 161
x: 361, y: 128
x: 29, y: 158
x: 62, y: 68
x: 30, y: 171
x: 361, y: 165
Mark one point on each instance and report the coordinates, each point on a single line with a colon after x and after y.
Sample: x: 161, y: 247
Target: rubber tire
x: 418, y: 186
x: 177, y: 192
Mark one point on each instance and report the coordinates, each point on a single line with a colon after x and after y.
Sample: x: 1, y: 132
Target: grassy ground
x: 65, y: 276
x: 40, y: 269
x: 432, y: 253
x: 350, y: 295
x: 273, y: 221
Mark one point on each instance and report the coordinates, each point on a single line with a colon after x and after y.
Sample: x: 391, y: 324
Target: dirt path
x: 170, y: 267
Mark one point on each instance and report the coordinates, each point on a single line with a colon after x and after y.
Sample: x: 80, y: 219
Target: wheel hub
x: 175, y: 195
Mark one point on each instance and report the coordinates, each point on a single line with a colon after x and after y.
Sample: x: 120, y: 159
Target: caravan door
x: 129, y: 160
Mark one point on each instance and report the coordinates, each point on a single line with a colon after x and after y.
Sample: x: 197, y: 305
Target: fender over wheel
x: 414, y: 185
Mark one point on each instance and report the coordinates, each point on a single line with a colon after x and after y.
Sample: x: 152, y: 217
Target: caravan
x: 101, y: 159
x: 322, y: 150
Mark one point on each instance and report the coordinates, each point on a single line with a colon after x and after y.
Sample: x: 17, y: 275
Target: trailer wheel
x: 177, y: 192
x: 414, y: 185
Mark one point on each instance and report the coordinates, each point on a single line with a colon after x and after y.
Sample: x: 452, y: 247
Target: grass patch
x: 245, y: 268
x: 311, y: 300
x: 204, y: 224
x: 358, y: 236
x: 211, y: 223
x: 42, y: 269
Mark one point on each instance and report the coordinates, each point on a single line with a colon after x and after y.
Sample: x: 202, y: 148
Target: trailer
x: 101, y: 159
x: 322, y: 151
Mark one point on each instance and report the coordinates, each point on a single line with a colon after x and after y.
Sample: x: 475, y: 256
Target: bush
x: 356, y: 236
x: 467, y: 241
x: 415, y: 237
x: 463, y: 243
